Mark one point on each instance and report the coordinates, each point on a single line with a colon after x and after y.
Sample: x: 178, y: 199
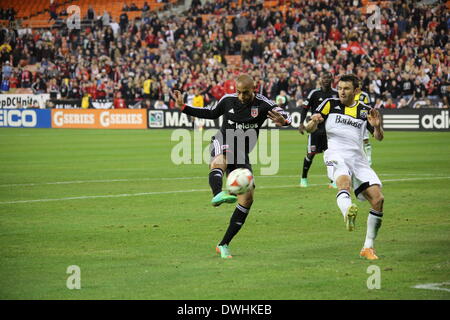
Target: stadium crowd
x: 404, y: 57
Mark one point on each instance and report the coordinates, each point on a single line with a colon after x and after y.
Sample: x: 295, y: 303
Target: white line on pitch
x: 433, y: 286
x: 184, y: 191
x: 181, y: 178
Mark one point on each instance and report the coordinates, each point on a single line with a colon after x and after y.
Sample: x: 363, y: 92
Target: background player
x: 243, y: 115
x: 345, y: 121
x: 317, y: 141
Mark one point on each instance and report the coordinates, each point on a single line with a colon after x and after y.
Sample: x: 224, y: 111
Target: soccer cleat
x: 350, y: 217
x: 303, y: 182
x: 224, y: 251
x: 222, y: 197
x: 368, y: 253
x: 332, y: 185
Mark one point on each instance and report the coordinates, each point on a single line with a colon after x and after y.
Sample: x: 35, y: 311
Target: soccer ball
x: 240, y: 181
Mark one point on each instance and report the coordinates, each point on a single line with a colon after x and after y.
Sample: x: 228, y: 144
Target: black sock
x: 236, y: 222
x: 215, y: 180
x: 306, y: 165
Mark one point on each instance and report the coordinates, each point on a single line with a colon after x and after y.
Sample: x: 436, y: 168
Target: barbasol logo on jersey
x: 348, y: 122
x: 247, y: 126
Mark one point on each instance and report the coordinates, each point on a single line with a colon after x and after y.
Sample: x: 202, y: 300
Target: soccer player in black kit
x: 243, y: 115
x: 317, y: 141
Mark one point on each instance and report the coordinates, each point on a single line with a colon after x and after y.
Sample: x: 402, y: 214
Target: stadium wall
x: 99, y: 119
x: 25, y: 118
x: 425, y: 119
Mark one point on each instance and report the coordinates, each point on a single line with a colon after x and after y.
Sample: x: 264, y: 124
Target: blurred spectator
x: 160, y: 105
x: 390, y: 104
x: 39, y: 86
x: 123, y: 22
x: 7, y: 70
x: 52, y: 11
x: 91, y: 13
x: 119, y: 102
x: 402, y: 103
x: 197, y: 100
x: 283, y: 52
x: 419, y: 90
x: 282, y: 99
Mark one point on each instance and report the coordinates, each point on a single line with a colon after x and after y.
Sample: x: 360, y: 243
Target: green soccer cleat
x: 303, y: 182
x: 350, y: 217
x: 222, y: 197
x: 224, y: 252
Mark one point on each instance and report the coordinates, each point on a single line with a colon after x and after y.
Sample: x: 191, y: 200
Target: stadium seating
x: 261, y: 47
x: 37, y: 15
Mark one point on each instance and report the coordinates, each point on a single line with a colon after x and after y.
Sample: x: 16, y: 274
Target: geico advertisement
x: 99, y: 119
x: 25, y: 118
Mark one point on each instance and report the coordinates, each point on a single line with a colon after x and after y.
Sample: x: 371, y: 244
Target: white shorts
x: 354, y: 165
x: 366, y: 135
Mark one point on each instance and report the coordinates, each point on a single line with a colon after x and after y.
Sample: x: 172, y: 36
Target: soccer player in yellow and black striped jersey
x: 345, y: 122
x: 364, y: 97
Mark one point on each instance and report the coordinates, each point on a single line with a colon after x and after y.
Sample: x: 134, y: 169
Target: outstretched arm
x: 279, y: 117
x: 205, y: 113
x: 311, y: 126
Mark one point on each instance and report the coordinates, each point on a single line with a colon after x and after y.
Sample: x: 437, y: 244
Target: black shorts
x: 234, y: 159
x: 317, y: 142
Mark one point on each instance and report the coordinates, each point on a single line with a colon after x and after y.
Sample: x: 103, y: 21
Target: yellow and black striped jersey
x: 363, y: 97
x: 344, y: 125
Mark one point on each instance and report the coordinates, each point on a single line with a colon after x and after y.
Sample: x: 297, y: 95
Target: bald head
x: 244, y: 89
x: 245, y: 80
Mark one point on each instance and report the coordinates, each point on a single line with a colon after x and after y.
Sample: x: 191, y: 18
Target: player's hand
x: 178, y: 97
x: 277, y: 118
x: 301, y: 129
x: 317, y: 117
x: 374, y: 118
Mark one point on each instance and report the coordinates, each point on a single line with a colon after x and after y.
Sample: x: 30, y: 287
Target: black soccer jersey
x: 238, y: 119
x: 314, y: 99
x: 236, y: 115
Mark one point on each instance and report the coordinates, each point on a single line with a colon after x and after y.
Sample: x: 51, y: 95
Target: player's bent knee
x: 246, y: 199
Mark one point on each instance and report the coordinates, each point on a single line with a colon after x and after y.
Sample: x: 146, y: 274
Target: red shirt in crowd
x: 119, y: 103
x: 335, y: 34
x: 13, y: 82
x: 217, y: 91
x: 92, y: 90
x: 26, y: 76
x: 229, y: 86
x: 390, y: 106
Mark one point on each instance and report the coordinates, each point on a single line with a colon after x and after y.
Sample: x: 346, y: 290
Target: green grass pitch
x: 140, y: 227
